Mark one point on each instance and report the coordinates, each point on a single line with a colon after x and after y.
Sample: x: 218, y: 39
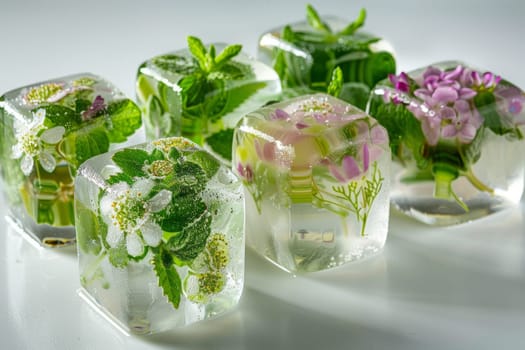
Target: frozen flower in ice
x: 40, y: 94
x: 245, y: 171
x: 128, y: 215
x: 464, y: 122
x: 32, y: 137
x: 349, y: 168
x: 97, y: 106
x: 400, y: 82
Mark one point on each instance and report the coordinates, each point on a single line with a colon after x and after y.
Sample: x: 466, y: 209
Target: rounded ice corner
x: 456, y: 133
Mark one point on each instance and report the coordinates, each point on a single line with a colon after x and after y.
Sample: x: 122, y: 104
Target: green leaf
x: 144, y: 88
x: 182, y: 211
x: 240, y: 94
x: 118, y: 256
x: 131, y: 161
x: 206, y: 161
x: 169, y: 279
x: 59, y: 115
x: 120, y: 177
x: 315, y: 21
x: 85, y: 143
x: 198, y: 50
x: 355, y: 25
x: 192, y: 240
x: 336, y: 82
x: 221, y: 143
x: 486, y: 105
x: 175, y: 64
x: 124, y: 119
x: 87, y: 230
x: 227, y: 54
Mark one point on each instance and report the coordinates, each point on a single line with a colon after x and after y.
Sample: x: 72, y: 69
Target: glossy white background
x: 461, y: 287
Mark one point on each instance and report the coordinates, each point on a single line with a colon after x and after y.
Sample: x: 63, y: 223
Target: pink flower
x: 401, y: 82
x: 464, y: 124
x: 349, y: 168
x: 245, y: 171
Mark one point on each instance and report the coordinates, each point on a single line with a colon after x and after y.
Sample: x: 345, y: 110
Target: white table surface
x: 460, y: 287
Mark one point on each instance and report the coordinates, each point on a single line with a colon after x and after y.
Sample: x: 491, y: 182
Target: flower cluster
x: 33, y: 137
x: 445, y: 107
x: 127, y: 212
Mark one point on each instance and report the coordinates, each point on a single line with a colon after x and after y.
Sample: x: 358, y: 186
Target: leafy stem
x: 207, y: 58
x: 358, y: 197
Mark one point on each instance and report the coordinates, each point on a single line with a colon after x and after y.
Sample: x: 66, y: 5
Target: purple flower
x: 245, y: 172
x: 349, y: 168
x: 400, y: 82
x: 97, y: 105
x: 464, y: 122
x: 279, y: 114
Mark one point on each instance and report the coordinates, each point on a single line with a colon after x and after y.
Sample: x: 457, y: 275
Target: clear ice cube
x: 456, y: 136
x: 305, y: 53
x: 48, y: 129
x: 180, y: 97
x: 160, y: 232
x: 316, y: 176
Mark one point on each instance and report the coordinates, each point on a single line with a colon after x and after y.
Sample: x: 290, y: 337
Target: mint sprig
x: 207, y: 59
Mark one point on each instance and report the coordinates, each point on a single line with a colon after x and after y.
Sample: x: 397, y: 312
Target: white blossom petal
x: 106, y: 208
x: 53, y: 135
x: 152, y: 234
x: 118, y: 189
x: 159, y: 201
x: 16, y: 151
x: 47, y: 161
x: 38, y: 117
x: 114, y: 236
x: 134, y: 244
x: 27, y: 164
x: 142, y: 186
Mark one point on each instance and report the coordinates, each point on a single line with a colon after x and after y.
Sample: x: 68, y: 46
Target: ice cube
x: 457, y: 138
x: 202, y: 92
x: 306, y: 53
x: 161, y: 236
x: 48, y: 129
x: 316, y: 176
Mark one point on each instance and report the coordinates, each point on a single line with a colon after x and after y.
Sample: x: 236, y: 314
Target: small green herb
x: 220, y: 143
x: 168, y: 277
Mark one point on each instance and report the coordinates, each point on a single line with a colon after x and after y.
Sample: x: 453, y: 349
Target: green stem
x: 477, y: 183
x: 90, y: 272
x: 444, y: 174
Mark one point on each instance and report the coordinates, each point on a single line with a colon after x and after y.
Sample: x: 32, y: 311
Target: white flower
x: 128, y: 215
x: 30, y: 144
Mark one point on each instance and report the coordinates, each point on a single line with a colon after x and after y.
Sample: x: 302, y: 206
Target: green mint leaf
x: 198, y: 50
x: 288, y: 34
x: 336, y: 82
x: 355, y: 93
x: 85, y: 143
x: 221, y: 143
x: 182, y: 211
x: 168, y: 277
x: 315, y: 21
x: 155, y: 119
x: 190, y: 178
x: 57, y: 115
x: 192, y: 239
x: 175, y: 64
x: 144, y: 88
x: 120, y: 177
x: 88, y: 238
x: 118, y: 256
x: 355, y: 25
x: 131, y: 161
x: 206, y: 161
x: 485, y: 103
x: 124, y: 119
x: 227, y: 54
